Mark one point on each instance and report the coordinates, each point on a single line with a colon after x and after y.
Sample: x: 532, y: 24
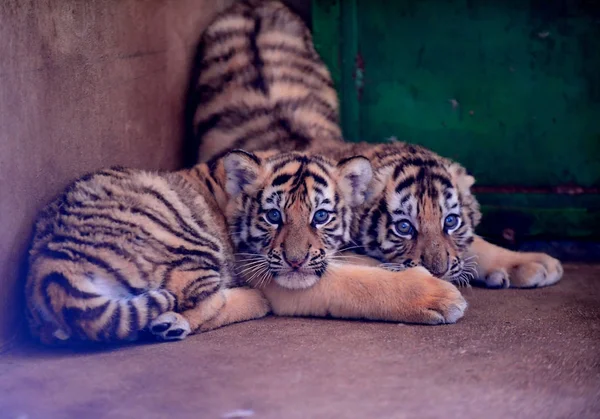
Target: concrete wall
x: 84, y: 84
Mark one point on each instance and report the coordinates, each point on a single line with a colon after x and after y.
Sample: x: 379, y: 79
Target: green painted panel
x: 511, y: 89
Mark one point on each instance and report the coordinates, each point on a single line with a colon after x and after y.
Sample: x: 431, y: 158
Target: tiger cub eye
x: 273, y: 216
x: 321, y: 217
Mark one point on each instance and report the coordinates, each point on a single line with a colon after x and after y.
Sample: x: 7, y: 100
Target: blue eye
x: 273, y: 216
x: 321, y: 217
x: 404, y: 228
x: 452, y: 221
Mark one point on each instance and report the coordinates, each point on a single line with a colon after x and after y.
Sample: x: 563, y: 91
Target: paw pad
x: 170, y: 326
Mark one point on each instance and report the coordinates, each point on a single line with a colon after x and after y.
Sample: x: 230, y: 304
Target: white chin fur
x: 296, y: 280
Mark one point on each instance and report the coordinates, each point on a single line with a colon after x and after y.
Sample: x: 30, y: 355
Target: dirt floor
x: 516, y: 354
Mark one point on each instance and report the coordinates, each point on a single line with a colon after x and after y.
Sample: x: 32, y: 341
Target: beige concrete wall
x: 84, y: 84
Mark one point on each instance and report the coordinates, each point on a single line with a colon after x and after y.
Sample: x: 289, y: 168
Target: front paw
x: 531, y: 271
x: 436, y: 301
x: 170, y: 326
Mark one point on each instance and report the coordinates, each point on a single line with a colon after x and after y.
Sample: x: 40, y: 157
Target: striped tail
x: 69, y: 313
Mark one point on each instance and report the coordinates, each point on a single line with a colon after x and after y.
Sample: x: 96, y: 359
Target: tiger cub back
x: 119, y: 248
x: 260, y: 84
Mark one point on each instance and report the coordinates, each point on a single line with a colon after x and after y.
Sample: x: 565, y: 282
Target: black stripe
x: 300, y: 140
x: 233, y: 116
x: 209, y: 186
x: 372, y: 231
x: 257, y: 61
x: 180, y: 220
x: 294, y: 158
x: 405, y: 184
x: 118, y: 250
x: 347, y: 159
x: 419, y: 162
x: 292, y: 50
x: 442, y: 179
x: 318, y: 179
x: 213, y: 261
x: 57, y: 254
x: 191, y: 289
x: 256, y: 135
x: 305, y: 68
x: 153, y: 303
x: 108, y: 268
x: 74, y: 316
x: 222, y: 36
x: 134, y: 317
x: 112, y: 328
x: 59, y: 279
x: 68, y: 211
x: 399, y: 169
x: 209, y: 62
x: 281, y: 179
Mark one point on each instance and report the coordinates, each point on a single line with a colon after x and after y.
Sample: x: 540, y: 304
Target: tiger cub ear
x: 241, y: 169
x: 461, y: 178
x: 355, y: 174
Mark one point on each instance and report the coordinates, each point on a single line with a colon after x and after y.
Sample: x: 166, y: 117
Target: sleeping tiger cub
x: 121, y: 251
x: 263, y: 87
x: 259, y: 81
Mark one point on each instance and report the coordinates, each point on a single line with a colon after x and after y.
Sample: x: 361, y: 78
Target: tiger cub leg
x: 239, y: 304
x: 227, y: 306
x: 204, y: 304
x: 365, y: 292
x: 502, y: 268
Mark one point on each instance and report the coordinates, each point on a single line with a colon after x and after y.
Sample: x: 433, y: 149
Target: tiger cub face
x: 422, y: 213
x: 290, y: 213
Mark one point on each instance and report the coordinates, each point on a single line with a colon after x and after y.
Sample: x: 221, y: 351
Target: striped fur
x: 121, y: 251
x: 121, y: 248
x: 259, y: 81
x: 314, y: 201
x: 294, y: 258
x: 243, y: 97
x: 416, y: 186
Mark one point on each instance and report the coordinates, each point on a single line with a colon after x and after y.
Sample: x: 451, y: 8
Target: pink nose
x: 295, y: 263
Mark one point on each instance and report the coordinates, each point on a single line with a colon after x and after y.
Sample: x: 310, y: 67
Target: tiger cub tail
x: 258, y: 84
x: 74, y: 305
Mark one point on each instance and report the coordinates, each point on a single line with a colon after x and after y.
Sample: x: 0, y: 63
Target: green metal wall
x: 510, y: 88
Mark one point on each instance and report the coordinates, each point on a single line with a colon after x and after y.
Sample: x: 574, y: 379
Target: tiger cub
x: 262, y: 86
x: 259, y: 81
x: 121, y: 251
x: 289, y: 217
x: 421, y: 212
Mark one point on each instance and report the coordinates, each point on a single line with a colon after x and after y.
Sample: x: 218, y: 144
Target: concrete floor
x: 517, y: 353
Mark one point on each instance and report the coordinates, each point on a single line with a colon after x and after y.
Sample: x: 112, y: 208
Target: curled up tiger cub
x: 263, y: 87
x: 122, y: 251
x: 259, y: 81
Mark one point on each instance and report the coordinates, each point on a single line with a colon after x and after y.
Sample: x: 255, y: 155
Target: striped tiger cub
x: 290, y: 215
x: 421, y: 212
x: 261, y: 86
x: 121, y: 251
x: 259, y: 81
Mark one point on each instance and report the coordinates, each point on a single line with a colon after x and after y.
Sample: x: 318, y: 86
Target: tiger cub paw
x: 170, y: 326
x: 531, y: 271
x: 438, y: 301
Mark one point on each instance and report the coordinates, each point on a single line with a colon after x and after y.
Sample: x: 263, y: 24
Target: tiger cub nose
x: 295, y: 262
